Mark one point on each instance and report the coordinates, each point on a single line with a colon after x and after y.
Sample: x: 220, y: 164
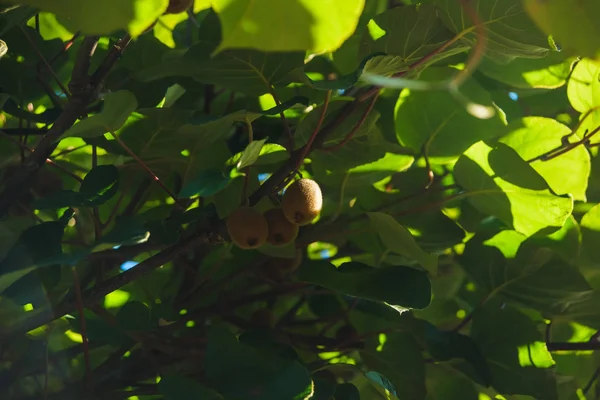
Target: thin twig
x: 356, y: 128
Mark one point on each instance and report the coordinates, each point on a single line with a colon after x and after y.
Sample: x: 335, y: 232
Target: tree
x: 441, y: 245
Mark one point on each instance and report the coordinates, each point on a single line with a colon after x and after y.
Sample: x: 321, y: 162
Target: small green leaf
x: 313, y: 27
x: 134, y: 316
x: 399, y: 240
x: 518, y: 357
x: 117, y: 108
x: 251, y: 153
x: 176, y: 387
x: 396, y: 285
x: 206, y: 183
x: 502, y: 184
x: 99, y: 185
x: 127, y: 231
x: 573, y: 25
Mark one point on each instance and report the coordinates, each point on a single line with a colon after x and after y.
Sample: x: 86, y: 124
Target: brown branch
x: 573, y: 346
x: 97, y: 293
x: 83, y: 93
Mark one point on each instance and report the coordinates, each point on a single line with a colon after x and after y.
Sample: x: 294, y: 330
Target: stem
x: 147, y: 169
x: 86, y: 351
x: 307, y: 147
x: 359, y: 125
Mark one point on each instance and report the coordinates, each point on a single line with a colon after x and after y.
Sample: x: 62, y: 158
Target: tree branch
x: 573, y: 346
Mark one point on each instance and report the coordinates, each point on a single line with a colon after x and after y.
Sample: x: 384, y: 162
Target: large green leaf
x: 573, y: 25
x: 434, y: 121
x: 510, y: 32
x: 584, y: 86
x: 397, y: 285
x: 296, y: 25
x: 94, y: 18
x: 533, y: 137
x: 239, y: 370
x: 502, y: 184
x: 530, y: 279
x: 400, y: 360
x: 445, y: 383
x: 409, y: 33
x: 515, y: 351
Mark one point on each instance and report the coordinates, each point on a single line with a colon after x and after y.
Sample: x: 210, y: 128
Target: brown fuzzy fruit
x: 263, y: 318
x: 247, y: 228
x: 302, y: 201
x: 177, y: 6
x: 281, y: 231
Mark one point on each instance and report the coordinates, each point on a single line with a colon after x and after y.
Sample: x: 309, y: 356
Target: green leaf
x: 549, y: 72
x: 98, y: 331
x: 572, y: 25
x: 396, y: 285
x: 399, y: 358
x: 399, y: 240
x: 534, y: 137
x: 314, y: 27
x: 93, y: 18
x: 205, y: 183
x: 531, y: 279
x: 176, y: 387
x: 346, y: 391
x: 446, y: 383
x: 590, y: 230
x: 518, y: 356
x: 410, y: 33
x: 448, y: 345
x: 251, y: 153
x: 239, y: 370
x: 583, y: 91
x: 502, y: 184
x: 116, y: 109
x: 99, y: 185
x: 430, y: 120
x: 247, y: 71
x: 510, y: 32
x: 208, y: 132
x: 127, y: 231
x: 134, y: 316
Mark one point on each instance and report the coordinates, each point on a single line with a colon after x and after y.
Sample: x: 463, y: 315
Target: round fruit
x: 177, y: 6
x: 263, y: 319
x: 281, y: 231
x: 302, y: 201
x: 247, y: 228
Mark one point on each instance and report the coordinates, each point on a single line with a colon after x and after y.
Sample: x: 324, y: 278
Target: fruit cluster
x: 301, y: 204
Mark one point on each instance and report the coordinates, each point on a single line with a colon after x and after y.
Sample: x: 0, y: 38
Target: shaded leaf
x: 205, y: 183
x: 135, y: 316
x: 399, y: 240
x: 251, y: 153
x: 509, y: 30
x: 176, y: 387
x: 572, y: 25
x: 116, y: 109
x: 431, y: 119
x: 397, y: 285
x: 399, y: 358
